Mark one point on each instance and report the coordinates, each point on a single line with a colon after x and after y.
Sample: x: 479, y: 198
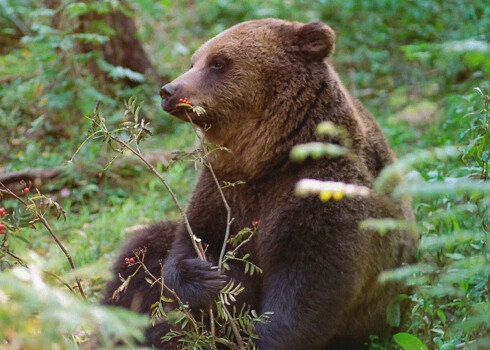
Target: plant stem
x: 63, y: 249
x: 172, y: 292
x: 169, y: 189
x: 45, y: 223
x: 208, y: 165
x: 236, y: 332
x: 229, y: 220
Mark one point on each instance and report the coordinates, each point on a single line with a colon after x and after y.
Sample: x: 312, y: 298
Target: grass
x: 409, y: 62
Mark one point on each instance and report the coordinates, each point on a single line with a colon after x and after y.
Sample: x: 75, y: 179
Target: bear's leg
x: 139, y: 295
x: 307, y: 307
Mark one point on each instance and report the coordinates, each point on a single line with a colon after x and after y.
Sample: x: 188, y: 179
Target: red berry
x: 126, y: 259
x: 2, y: 228
x: 2, y: 212
x: 256, y: 223
x: 131, y: 260
x: 26, y: 190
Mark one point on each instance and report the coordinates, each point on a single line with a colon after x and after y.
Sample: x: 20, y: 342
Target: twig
x: 169, y: 189
x: 235, y: 250
x: 196, y: 244
x: 212, y: 323
x: 465, y: 344
x: 51, y: 232
x: 60, y: 280
x: 63, y: 249
x: 24, y: 264
x: 172, y: 292
x: 8, y: 191
x: 137, y: 152
x: 229, y: 220
x: 19, y: 260
x: 236, y: 332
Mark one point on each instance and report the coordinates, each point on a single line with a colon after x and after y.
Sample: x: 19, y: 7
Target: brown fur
x: 265, y: 87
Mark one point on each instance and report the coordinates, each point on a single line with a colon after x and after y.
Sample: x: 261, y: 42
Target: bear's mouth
x: 171, y: 107
x: 178, y: 108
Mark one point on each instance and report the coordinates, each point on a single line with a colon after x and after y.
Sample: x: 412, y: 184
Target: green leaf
x: 393, y: 310
x: 393, y: 313
x: 76, y: 9
x: 409, y: 342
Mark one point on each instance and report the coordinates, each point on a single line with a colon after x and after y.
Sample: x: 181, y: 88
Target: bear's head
x: 233, y: 75
x: 253, y: 80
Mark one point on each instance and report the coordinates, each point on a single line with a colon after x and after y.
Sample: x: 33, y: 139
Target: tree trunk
x: 123, y: 49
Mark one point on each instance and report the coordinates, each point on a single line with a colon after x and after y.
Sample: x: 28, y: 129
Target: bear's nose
x: 167, y: 91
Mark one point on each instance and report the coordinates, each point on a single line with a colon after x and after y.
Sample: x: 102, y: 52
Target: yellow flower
x: 325, y: 196
x: 338, y: 195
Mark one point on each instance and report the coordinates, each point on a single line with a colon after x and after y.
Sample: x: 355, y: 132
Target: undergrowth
x: 421, y: 67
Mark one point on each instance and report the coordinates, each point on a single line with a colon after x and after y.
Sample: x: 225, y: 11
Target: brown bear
x: 265, y: 86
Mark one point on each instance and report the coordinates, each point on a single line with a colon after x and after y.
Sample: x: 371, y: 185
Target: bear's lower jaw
x: 166, y: 105
x: 173, y: 109
x: 177, y: 111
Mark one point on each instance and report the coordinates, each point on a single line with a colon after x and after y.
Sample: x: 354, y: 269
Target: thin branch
x: 212, y: 323
x: 236, y: 332
x: 19, y: 260
x: 60, y: 280
x: 169, y: 189
x: 138, y: 153
x: 463, y: 345
x: 9, y: 192
x: 45, y: 223
x: 242, y: 243
x: 196, y: 244
x: 172, y: 292
x: 24, y: 264
x: 229, y: 220
x: 63, y: 249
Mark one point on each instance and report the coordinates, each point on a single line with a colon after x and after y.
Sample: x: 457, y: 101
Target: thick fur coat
x: 265, y: 87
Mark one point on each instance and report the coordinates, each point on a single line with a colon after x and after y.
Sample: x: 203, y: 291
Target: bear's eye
x: 217, y: 64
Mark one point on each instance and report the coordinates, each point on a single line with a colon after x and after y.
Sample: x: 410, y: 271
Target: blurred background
x: 421, y: 67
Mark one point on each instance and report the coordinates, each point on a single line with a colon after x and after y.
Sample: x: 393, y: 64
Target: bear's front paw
x: 198, y: 282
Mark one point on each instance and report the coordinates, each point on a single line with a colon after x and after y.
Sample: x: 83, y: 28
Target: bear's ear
x: 315, y: 39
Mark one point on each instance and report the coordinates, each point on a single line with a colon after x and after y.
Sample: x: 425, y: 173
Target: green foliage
x: 35, y: 315
x: 478, y: 150
x: 450, y: 283
x: 415, y: 64
x: 190, y: 331
x: 409, y: 342
x: 236, y: 242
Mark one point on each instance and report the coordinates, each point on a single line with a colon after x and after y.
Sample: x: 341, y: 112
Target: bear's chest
x: 253, y: 202
x: 251, y: 205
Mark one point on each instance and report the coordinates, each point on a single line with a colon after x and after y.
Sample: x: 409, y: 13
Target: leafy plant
x: 190, y: 332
